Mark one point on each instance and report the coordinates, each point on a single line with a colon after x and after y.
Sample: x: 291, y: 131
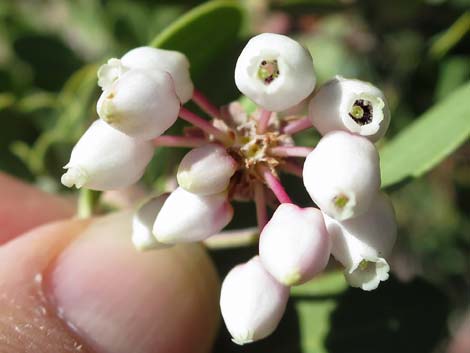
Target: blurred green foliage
x: 417, y: 51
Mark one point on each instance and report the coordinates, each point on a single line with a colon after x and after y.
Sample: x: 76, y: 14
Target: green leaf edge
x: 456, y: 98
x: 190, y: 16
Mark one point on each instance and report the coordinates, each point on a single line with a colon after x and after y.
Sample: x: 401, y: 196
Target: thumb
x: 80, y: 285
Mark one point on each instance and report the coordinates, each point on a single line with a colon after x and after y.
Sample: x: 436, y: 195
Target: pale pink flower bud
x: 142, y: 224
x: 141, y: 104
x: 350, y: 105
x: 275, y: 71
x: 294, y: 246
x: 252, y: 302
x: 187, y: 217
x: 106, y: 159
x: 173, y: 62
x: 342, y: 174
x: 362, y: 244
x: 206, y: 170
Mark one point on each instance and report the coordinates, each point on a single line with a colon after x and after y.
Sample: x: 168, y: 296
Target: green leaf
x: 203, y: 32
x: 428, y: 140
x: 314, y: 302
x: 447, y: 40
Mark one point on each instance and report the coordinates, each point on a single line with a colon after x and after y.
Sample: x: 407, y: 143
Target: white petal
x: 206, y: 170
x: 142, y: 104
x: 252, y: 302
x: 363, y: 243
x: 106, y: 159
x: 142, y: 223
x: 173, y: 62
x: 342, y: 174
x: 332, y: 108
x: 368, y: 274
x: 187, y: 217
x: 110, y: 73
x: 294, y: 81
x: 294, y: 246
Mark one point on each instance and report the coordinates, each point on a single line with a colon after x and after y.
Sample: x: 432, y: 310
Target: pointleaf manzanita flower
x: 350, y: 105
x: 238, y: 155
x: 206, y: 170
x: 252, y: 302
x: 142, y: 224
x: 294, y: 246
x: 148, y: 58
x: 106, y: 159
x: 275, y: 71
x: 342, y: 174
x: 187, y: 217
x: 362, y: 244
x: 142, y: 103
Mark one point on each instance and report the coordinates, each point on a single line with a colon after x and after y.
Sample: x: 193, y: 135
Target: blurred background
x: 417, y: 51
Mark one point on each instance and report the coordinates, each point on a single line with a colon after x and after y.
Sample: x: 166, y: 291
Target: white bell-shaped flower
x: 362, y: 244
x: 141, y: 104
x: 106, y: 159
x: 275, y: 71
x: 294, y: 245
x: 148, y: 58
x: 173, y: 62
x: 206, y: 170
x: 342, y: 174
x: 187, y: 217
x: 350, y: 105
x: 142, y: 224
x: 252, y: 302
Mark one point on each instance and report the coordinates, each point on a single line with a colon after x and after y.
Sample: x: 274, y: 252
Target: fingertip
x: 23, y: 207
x: 120, y: 300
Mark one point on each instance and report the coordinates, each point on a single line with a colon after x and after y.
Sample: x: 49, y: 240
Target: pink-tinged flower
x: 342, y: 174
x: 106, y: 159
x: 187, y: 217
x: 350, y: 105
x: 362, y: 244
x: 206, y: 170
x: 294, y: 246
x: 252, y: 302
x: 141, y: 103
x: 275, y: 71
x: 142, y: 224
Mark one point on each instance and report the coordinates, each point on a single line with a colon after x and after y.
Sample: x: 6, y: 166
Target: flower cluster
x: 238, y: 155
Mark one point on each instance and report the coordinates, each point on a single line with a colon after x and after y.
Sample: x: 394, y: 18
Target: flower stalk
x: 204, y: 125
x: 275, y: 185
x: 205, y: 104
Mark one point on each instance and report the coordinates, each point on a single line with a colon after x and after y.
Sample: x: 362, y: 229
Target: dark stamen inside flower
x: 361, y: 112
x: 268, y: 71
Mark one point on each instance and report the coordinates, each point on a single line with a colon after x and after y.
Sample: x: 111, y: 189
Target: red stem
x: 260, y: 201
x: 297, y: 126
x: 263, y: 121
x: 204, y: 125
x: 179, y: 141
x: 205, y: 104
x: 290, y: 151
x: 275, y: 185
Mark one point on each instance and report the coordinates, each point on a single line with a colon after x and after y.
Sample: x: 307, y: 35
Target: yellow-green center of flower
x: 361, y: 111
x: 340, y: 201
x: 364, y: 265
x: 268, y: 71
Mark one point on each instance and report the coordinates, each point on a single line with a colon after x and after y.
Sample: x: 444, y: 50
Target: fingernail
x: 120, y: 300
